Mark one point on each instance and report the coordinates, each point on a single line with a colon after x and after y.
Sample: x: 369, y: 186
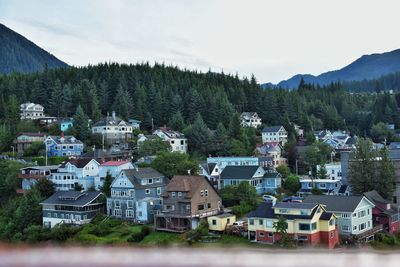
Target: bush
x: 137, y: 237
x: 62, y: 232
x: 101, y: 229
x: 36, y: 233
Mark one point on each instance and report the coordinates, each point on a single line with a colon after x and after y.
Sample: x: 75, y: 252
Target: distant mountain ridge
x: 18, y: 54
x: 367, y: 67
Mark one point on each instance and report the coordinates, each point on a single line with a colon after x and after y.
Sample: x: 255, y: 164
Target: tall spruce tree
x: 81, y: 124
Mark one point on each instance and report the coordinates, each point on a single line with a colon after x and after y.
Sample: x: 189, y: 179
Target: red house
x: 384, y: 212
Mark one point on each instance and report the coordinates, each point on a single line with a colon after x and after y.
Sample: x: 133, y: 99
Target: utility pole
x: 297, y: 169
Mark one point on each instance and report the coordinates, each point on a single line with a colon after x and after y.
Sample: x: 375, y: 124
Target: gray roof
x: 272, y: 129
x: 108, y: 121
x: 295, y: 205
x: 394, y: 145
x: 71, y: 198
x: 239, y: 172
x: 335, y: 203
x: 374, y: 197
x: 68, y: 139
x: 143, y: 173
x: 269, y: 174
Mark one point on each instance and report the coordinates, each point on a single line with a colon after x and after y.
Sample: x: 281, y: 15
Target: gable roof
x: 208, y: 167
x: 109, y: 121
x: 248, y: 114
x: 184, y: 183
x: 78, y: 162
x: 71, y: 198
x: 239, y: 172
x: 269, y: 174
x: 266, y: 210
x: 374, y: 197
x: 295, y: 205
x: 68, y: 139
x: 114, y: 163
x: 272, y: 129
x: 335, y: 203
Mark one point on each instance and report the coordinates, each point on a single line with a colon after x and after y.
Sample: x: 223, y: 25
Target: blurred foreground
x: 128, y: 256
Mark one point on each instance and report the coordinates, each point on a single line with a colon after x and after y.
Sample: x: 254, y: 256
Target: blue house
x: 132, y: 186
x: 262, y: 180
x: 65, y: 125
x: 134, y: 123
x: 145, y: 209
x: 63, y: 146
x: 327, y: 186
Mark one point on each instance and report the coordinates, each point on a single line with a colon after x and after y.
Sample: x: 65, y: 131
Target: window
x: 323, y: 185
x: 368, y: 211
x: 173, y: 194
x: 179, y: 194
x: 302, y: 237
x: 187, y: 207
x: 202, y: 193
x: 200, y: 207
x: 147, y: 191
x: 269, y: 223
x: 354, y: 227
x: 129, y: 213
x: 158, y: 190
x: 344, y: 215
x: 283, y: 210
x: 251, y: 221
x: 332, y: 222
x: 117, y: 213
x: 150, y: 181
x: 67, y: 216
x: 85, y: 217
x: 260, y: 234
x: 270, y: 234
x: 49, y: 215
x: 214, y: 222
x: 345, y: 228
x: 208, y: 205
x: 354, y: 214
x: 260, y: 221
x: 362, y: 226
x: 206, y: 193
x: 117, y: 203
x: 129, y: 204
x: 304, y: 212
x: 228, y: 221
x: 304, y: 227
x: 361, y: 214
x: 313, y: 226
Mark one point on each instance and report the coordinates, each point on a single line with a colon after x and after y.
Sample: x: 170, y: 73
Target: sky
x: 272, y: 39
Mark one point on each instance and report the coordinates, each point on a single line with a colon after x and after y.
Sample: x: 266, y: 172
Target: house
x: 111, y: 154
x: 63, y: 146
x: 354, y: 214
x: 250, y: 119
x: 24, y: 140
x: 113, y: 168
x: 145, y: 209
x: 71, y: 207
x: 222, y: 162
x: 177, y: 140
x: 274, y: 134
x: 76, y: 172
x: 135, y: 124
x: 131, y: 186
x: 333, y: 170
x: 308, y: 223
x: 186, y: 201
x: 298, y: 130
x: 31, y: 111
x: 30, y: 175
x: 113, y: 129
x: 384, y: 213
x: 218, y: 223
x: 65, y: 125
x: 327, y: 186
x: 271, y: 149
x: 263, y: 181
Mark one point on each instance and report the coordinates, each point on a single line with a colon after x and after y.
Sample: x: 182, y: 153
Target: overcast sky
x: 274, y: 39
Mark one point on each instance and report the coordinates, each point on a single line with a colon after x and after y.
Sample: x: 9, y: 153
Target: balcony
x: 31, y: 176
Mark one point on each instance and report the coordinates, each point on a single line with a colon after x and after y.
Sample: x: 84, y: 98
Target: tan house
x: 186, y: 200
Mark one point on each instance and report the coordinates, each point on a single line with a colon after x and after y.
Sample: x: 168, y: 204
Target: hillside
x: 18, y: 54
x: 366, y: 67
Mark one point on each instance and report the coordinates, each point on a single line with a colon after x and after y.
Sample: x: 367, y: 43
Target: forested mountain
x: 367, y: 67
x: 171, y: 96
x: 18, y: 54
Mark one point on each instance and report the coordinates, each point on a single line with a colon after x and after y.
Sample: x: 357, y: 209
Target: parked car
x: 269, y: 199
x: 293, y: 199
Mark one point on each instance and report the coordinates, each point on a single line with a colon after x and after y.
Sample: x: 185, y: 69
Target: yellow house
x: 219, y: 222
x: 306, y: 223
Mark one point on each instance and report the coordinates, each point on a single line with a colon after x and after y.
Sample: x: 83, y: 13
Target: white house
x: 250, y: 119
x: 274, y: 134
x: 333, y: 170
x: 177, y: 140
x: 80, y: 171
x: 31, y: 111
x: 114, y: 129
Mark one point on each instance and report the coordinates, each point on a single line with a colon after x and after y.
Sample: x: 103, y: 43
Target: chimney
x: 113, y: 115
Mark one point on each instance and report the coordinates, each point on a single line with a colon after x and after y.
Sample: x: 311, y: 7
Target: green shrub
x: 62, y: 232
